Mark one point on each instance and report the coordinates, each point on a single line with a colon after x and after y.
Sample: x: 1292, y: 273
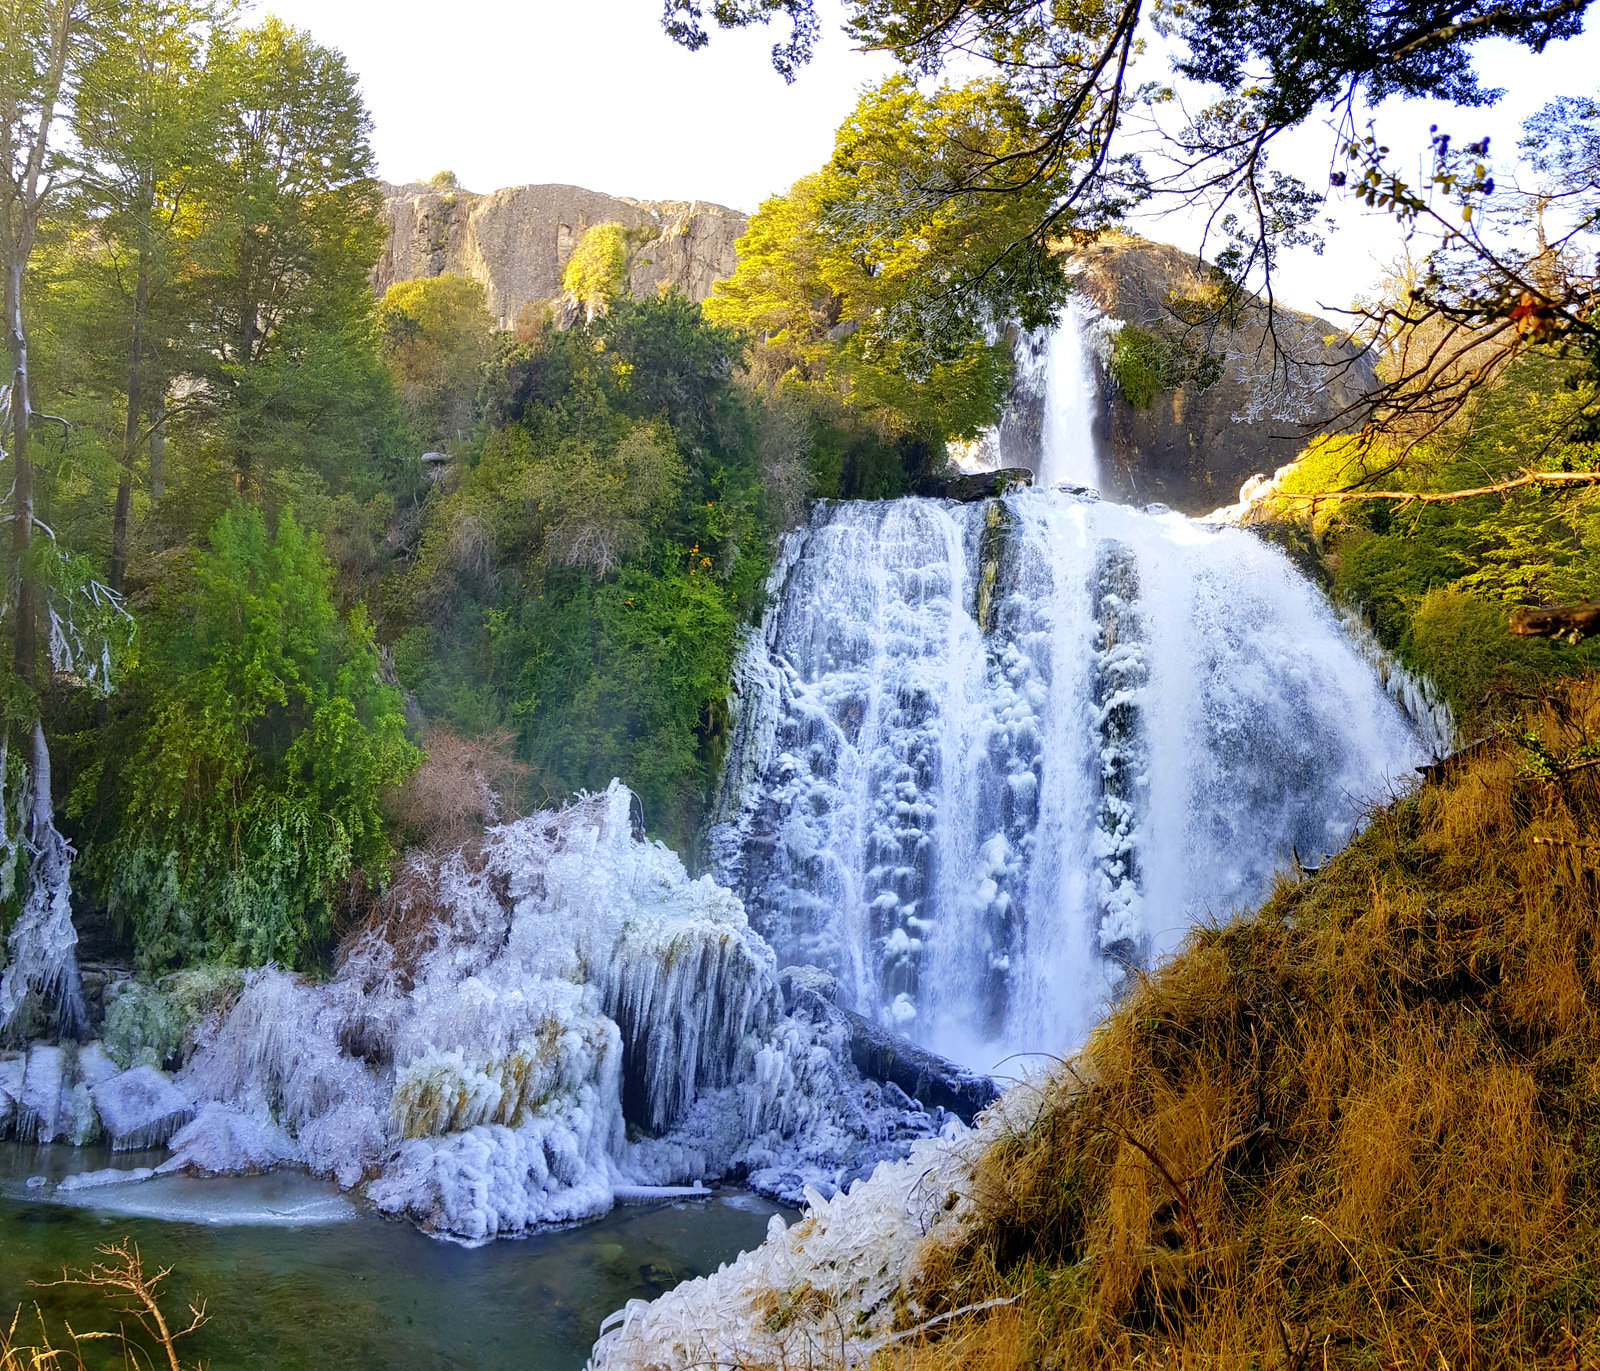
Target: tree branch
x: 1430, y: 497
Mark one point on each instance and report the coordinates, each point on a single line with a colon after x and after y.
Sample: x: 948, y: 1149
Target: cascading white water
x: 1071, y: 396
x: 991, y: 755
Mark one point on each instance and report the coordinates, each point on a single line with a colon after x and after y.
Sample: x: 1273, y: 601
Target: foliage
x: 259, y: 743
x: 1437, y: 581
x: 1145, y: 362
x: 436, y: 335
x: 855, y: 286
x: 1360, y: 1121
x: 584, y: 582
x: 289, y: 230
x: 151, y: 1023
x: 1270, y: 65
x: 597, y: 271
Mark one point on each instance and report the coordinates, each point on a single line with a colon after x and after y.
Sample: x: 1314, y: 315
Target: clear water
x: 299, y: 1276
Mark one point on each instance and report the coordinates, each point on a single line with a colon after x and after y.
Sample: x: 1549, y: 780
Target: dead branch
x: 125, y: 1273
x: 1572, y: 622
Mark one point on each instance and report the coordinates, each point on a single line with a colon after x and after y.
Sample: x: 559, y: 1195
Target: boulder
x: 44, y: 1082
x: 141, y: 1108
x: 11, y: 1069
x: 967, y: 486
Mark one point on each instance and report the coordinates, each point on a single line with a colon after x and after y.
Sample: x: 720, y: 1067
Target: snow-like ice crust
x: 833, y: 1289
x: 573, y: 979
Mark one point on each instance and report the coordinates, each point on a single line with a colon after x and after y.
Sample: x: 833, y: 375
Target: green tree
x: 144, y: 118
x: 1271, y: 65
x: 240, y: 791
x: 854, y: 278
x: 290, y: 229
x: 437, y: 334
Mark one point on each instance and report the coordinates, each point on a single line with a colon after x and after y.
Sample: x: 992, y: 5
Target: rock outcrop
x: 516, y: 242
x: 1245, y: 408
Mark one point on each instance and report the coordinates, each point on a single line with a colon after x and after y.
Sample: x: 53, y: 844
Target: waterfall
x: 1071, y: 397
x: 992, y: 756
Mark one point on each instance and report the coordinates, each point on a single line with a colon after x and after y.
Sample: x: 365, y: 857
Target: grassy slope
x: 1360, y: 1127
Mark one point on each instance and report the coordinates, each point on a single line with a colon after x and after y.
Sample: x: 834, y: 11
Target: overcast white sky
x: 592, y: 93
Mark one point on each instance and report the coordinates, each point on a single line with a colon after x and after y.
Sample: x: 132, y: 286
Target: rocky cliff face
x: 1241, y: 410
x: 516, y: 241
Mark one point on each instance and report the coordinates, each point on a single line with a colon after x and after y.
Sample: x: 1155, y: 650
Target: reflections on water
x: 298, y: 1276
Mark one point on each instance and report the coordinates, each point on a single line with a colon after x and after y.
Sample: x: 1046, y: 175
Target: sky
x: 592, y: 93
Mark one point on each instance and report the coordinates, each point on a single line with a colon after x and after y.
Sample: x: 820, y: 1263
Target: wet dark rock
x: 967, y: 486
x: 929, y: 1079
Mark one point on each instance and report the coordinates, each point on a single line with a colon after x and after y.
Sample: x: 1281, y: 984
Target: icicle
x: 43, y: 943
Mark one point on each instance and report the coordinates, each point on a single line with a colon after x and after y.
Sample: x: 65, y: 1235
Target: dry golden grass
x: 1359, y: 1128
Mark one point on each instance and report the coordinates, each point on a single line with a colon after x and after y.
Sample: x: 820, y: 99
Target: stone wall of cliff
x: 1195, y: 444
x: 516, y: 241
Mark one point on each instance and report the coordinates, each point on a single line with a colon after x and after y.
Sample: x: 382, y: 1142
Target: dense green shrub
x: 584, y: 583
x: 241, y: 787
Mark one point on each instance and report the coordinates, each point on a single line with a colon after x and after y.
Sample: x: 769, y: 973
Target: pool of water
x: 297, y: 1275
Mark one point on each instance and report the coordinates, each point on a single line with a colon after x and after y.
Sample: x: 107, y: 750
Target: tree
x: 144, y: 120
x: 289, y: 231
x: 1273, y: 64
x: 436, y: 334
x: 915, y: 282
x: 247, y: 775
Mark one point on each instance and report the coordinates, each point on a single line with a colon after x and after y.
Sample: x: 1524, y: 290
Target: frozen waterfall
x: 991, y: 755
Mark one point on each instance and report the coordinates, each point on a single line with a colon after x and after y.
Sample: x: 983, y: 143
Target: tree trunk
x: 130, y: 430
x: 158, y: 440
x: 1572, y: 622
x: 24, y: 648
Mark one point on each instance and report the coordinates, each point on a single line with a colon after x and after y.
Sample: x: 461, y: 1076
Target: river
x: 298, y: 1275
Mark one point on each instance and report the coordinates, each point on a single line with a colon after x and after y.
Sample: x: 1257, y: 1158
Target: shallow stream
x: 297, y: 1275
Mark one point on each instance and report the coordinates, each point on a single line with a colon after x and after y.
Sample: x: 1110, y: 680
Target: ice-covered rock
x: 95, y: 1065
x: 109, y: 1175
x: 11, y: 1071
x: 838, y: 1278
x: 479, y: 1055
x: 44, y: 1082
x: 224, y: 1138
x: 141, y: 1108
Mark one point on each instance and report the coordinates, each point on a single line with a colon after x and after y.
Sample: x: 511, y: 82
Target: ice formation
x: 826, y: 1291
x: 41, y: 981
x: 476, y: 1059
